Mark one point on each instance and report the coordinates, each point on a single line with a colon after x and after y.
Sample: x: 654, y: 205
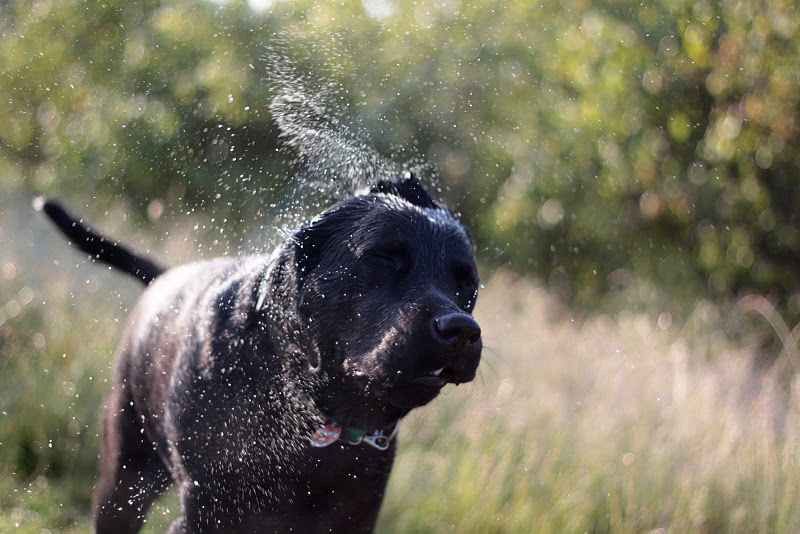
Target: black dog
x: 269, y: 389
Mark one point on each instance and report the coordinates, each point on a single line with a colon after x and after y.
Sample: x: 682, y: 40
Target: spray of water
x: 326, y: 148
x: 336, y: 161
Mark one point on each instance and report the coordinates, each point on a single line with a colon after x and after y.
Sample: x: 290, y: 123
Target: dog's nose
x: 457, y: 328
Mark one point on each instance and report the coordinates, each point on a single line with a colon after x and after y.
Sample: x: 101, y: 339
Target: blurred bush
x: 588, y: 142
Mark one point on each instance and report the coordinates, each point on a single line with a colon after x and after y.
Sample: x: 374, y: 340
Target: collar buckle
x: 380, y: 441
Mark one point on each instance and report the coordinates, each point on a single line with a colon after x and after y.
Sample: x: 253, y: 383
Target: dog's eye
x: 394, y: 258
x: 465, y: 275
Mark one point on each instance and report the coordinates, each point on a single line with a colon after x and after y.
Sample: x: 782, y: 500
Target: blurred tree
x: 144, y: 99
x: 669, y: 148
x: 587, y: 142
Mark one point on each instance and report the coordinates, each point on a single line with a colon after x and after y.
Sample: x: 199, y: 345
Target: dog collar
x: 330, y: 433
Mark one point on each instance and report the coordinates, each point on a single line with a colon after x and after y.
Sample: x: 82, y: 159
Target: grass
x: 608, y: 424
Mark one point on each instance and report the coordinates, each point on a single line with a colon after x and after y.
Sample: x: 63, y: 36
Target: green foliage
x: 139, y: 99
x: 667, y: 147
x: 588, y: 142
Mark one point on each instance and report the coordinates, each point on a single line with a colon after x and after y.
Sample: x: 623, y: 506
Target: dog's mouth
x: 437, y: 378
x: 418, y: 391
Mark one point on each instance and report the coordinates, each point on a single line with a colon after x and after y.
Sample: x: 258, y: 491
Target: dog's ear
x: 309, y: 242
x: 406, y: 187
x: 312, y: 239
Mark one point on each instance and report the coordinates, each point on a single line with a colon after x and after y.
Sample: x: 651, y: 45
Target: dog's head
x: 386, y: 285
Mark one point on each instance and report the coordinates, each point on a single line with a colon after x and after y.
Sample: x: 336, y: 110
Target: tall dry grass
x: 608, y: 424
x: 603, y: 425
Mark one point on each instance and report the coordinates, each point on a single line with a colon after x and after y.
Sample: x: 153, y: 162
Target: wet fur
x: 227, y: 366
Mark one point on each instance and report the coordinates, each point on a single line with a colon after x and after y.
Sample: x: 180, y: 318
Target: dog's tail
x: 97, y: 245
